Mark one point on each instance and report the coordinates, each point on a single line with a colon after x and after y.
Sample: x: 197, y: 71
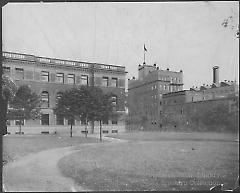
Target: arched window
x: 45, y: 99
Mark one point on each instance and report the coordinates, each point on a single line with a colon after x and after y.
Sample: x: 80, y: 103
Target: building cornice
x: 58, y: 63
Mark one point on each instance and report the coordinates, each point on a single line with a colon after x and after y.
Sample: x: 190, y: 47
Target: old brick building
x: 49, y: 77
x: 145, y: 95
x: 180, y: 107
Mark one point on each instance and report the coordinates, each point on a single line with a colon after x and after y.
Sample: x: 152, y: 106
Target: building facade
x: 145, y: 96
x: 50, y: 77
x: 180, y: 107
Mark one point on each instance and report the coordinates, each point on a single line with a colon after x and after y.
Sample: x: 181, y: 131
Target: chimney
x: 216, y: 75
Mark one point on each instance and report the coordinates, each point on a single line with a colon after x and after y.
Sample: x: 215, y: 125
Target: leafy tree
x: 103, y: 109
x: 100, y: 106
x: 76, y: 103
x: 25, y: 105
x: 85, y: 103
x: 95, y: 105
x: 9, y: 88
x: 68, y: 105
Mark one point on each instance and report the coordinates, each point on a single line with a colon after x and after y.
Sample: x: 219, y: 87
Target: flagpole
x: 144, y: 56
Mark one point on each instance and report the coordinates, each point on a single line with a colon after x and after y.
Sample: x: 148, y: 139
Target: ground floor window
x: 19, y: 122
x: 83, y: 122
x: 45, y: 119
x: 114, y: 122
x: 71, y: 121
x: 105, y: 122
x: 60, y: 120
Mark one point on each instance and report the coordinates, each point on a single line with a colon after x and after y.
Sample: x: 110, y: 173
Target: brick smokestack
x: 216, y: 74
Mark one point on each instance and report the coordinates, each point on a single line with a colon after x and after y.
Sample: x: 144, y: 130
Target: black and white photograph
x: 120, y: 96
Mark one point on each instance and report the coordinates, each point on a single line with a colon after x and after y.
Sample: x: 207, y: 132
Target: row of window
x: 170, y: 88
x: 60, y: 121
x: 171, y: 79
x: 60, y: 78
x: 71, y: 79
x: 105, y: 81
x: 45, y: 99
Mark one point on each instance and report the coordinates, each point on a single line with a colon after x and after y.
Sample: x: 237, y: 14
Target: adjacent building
x: 157, y: 101
x: 179, y: 107
x: 145, y: 105
x: 50, y: 77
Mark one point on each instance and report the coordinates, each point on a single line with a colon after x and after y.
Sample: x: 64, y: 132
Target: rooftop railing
x: 61, y: 62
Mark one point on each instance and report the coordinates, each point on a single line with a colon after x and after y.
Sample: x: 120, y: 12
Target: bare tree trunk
x: 20, y: 127
x: 4, y: 116
x: 100, y: 130
x: 71, y: 130
x: 92, y: 127
x: 86, y: 128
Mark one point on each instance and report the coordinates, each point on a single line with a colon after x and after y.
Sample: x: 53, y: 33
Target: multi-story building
x: 145, y: 95
x: 50, y: 77
x: 179, y: 106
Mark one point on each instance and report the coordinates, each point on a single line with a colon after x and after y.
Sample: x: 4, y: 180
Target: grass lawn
x: 15, y: 146
x: 156, y: 161
x: 196, y: 136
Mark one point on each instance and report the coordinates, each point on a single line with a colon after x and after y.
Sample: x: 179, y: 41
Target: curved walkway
x: 39, y: 172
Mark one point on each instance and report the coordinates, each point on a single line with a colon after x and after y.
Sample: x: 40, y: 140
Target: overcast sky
x: 187, y: 36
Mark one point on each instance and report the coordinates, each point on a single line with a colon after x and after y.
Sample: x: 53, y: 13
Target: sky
x: 184, y: 36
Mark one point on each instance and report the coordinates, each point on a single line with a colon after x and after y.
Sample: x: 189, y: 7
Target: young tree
x: 104, y: 109
x: 85, y: 103
x: 8, y: 90
x: 68, y: 106
x: 75, y: 103
x: 25, y: 105
x: 93, y: 104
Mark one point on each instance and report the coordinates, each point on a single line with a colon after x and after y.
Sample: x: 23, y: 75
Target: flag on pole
x: 145, y: 49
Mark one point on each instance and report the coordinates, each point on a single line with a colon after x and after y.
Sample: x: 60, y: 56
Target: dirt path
x: 39, y: 172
